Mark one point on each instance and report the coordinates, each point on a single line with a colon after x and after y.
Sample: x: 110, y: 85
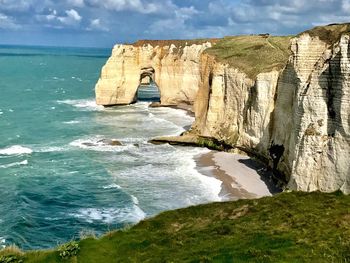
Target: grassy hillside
x: 330, y: 33
x: 253, y: 54
x: 176, y: 42
x: 289, y: 227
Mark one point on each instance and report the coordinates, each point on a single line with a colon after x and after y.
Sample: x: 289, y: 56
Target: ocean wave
x: 78, y: 79
x: 112, y: 186
x: 71, y: 122
x: 58, y: 79
x: 84, y: 104
x: 25, y: 162
x: 135, y: 200
x: 132, y: 214
x: 15, y: 150
x: 100, y: 145
x: 48, y: 149
x: 2, y: 242
x: 174, y: 166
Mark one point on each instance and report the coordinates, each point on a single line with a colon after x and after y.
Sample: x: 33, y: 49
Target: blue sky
x: 102, y: 23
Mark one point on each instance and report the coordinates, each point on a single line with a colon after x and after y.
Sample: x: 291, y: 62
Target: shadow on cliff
x: 333, y: 92
x: 273, y: 147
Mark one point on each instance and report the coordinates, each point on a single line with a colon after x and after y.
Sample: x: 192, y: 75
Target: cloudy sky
x: 102, y: 23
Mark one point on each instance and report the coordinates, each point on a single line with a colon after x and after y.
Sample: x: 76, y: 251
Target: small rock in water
x: 112, y: 142
x: 155, y: 105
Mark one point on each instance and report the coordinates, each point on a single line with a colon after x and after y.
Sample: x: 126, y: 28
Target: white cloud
x: 52, y: 15
x: 95, y: 24
x: 18, y: 5
x: 72, y: 18
x: 7, y: 22
x: 140, y: 6
x: 176, y: 23
x: 346, y: 6
x: 76, y: 3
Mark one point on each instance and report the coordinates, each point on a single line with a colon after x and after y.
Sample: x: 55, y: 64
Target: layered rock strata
x: 297, y: 118
x: 174, y: 69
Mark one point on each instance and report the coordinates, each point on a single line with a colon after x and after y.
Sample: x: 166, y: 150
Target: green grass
x: 330, y: 33
x: 253, y: 54
x: 289, y: 227
x: 177, y: 42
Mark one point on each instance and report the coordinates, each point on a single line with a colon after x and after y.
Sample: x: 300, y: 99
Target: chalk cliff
x: 174, y: 67
x: 289, y: 106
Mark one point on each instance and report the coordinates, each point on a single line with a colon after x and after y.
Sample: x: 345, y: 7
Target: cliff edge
x: 284, y: 99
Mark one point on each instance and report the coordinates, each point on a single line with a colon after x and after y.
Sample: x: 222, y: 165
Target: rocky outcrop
x: 296, y: 117
x: 173, y: 67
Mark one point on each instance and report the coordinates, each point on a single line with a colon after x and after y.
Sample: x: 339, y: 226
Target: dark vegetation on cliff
x: 253, y: 54
x: 330, y: 34
x: 289, y: 227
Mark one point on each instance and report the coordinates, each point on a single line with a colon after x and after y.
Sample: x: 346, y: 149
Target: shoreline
x: 241, y: 177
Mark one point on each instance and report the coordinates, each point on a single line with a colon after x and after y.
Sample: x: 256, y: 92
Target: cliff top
x: 330, y: 33
x: 253, y: 54
x: 304, y: 227
x: 176, y: 42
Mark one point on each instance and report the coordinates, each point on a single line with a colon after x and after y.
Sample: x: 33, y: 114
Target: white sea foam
x: 48, y: 149
x: 58, y: 79
x: 171, y: 178
x: 134, y: 200
x: 132, y: 214
x: 85, y: 104
x: 2, y: 242
x: 25, y: 162
x: 78, y: 79
x: 112, y: 186
x: 15, y: 150
x: 71, y: 122
x: 98, y: 144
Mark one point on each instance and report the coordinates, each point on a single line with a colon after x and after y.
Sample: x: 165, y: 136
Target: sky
x: 103, y: 23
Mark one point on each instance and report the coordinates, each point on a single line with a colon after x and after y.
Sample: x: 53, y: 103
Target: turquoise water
x: 59, y: 177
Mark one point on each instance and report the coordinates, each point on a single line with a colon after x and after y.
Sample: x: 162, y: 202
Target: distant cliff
x: 174, y: 66
x: 283, y: 99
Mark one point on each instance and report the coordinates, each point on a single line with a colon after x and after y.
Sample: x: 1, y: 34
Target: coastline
x: 241, y: 177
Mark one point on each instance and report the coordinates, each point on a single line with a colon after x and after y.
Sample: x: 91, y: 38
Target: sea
x: 60, y: 177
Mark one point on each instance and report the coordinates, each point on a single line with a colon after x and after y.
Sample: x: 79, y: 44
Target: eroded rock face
x: 297, y: 118
x: 174, y: 69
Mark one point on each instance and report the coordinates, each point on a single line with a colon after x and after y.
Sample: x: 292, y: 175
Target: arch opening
x: 148, y: 89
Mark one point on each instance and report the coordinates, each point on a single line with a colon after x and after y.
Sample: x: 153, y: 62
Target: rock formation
x: 295, y: 116
x: 174, y: 68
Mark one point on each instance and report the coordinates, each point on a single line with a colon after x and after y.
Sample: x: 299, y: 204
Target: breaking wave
x: 15, y: 150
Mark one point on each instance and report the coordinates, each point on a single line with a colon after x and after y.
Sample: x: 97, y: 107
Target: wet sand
x: 241, y: 177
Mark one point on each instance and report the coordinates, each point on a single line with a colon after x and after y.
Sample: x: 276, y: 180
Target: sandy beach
x: 241, y: 176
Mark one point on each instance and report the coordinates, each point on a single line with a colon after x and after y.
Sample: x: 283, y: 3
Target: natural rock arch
x: 147, y: 89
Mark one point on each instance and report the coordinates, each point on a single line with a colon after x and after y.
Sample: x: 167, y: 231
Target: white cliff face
x: 176, y: 73
x: 318, y: 148
x: 297, y: 118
